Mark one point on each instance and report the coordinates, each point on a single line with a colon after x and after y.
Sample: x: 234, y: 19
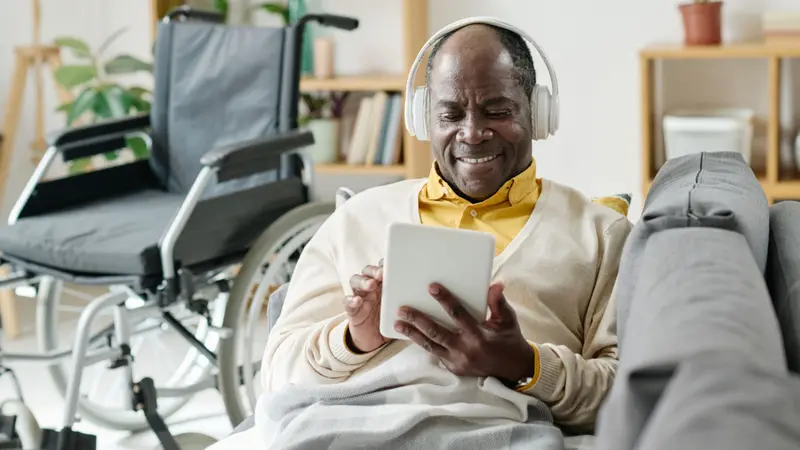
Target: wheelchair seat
x: 108, y: 236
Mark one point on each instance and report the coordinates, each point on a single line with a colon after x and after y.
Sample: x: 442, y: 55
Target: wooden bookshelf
x: 416, y: 155
x: 348, y: 169
x: 776, y: 187
x: 369, y: 82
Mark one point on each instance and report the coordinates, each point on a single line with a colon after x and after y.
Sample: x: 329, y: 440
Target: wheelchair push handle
x: 342, y: 22
x: 185, y: 12
x: 328, y: 20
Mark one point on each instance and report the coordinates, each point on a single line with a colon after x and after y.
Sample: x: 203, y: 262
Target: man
x: 551, y: 332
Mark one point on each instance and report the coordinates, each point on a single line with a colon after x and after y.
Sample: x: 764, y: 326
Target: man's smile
x: 481, y: 160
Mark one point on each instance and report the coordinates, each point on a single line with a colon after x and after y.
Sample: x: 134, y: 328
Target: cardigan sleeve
x: 307, y: 344
x: 574, y: 385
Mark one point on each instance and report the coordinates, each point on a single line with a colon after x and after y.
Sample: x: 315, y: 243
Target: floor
x: 204, y: 413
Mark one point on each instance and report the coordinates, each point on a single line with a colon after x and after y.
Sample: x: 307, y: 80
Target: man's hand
x: 364, y: 309
x: 493, y: 348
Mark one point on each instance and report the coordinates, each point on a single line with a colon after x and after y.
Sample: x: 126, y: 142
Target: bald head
x: 479, y: 42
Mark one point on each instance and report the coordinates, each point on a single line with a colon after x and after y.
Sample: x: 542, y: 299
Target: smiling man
x: 549, y: 343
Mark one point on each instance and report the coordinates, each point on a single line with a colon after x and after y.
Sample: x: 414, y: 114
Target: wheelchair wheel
x: 158, y: 352
x: 268, y: 264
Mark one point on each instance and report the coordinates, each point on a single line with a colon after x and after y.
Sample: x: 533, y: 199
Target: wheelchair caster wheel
x: 26, y: 427
x: 191, y: 441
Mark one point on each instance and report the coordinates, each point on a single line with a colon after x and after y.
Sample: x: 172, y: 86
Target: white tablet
x: 418, y: 255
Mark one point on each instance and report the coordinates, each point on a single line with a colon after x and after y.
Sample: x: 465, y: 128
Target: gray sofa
x: 709, y: 310
x: 709, y: 317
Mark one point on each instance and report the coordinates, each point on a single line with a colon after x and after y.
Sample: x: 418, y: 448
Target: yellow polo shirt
x: 503, y: 214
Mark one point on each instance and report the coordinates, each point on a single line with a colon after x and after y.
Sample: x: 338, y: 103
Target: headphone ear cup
x: 540, y: 112
x: 419, y: 113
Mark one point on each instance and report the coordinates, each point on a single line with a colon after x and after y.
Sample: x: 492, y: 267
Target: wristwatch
x: 523, y: 383
x: 518, y: 385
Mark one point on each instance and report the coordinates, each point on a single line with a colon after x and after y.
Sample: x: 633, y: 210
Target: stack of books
x: 781, y: 27
x: 376, y: 134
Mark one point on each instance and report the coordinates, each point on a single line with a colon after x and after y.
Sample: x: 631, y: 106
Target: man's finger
x: 454, y: 308
x: 363, y: 283
x: 375, y: 272
x: 428, y: 327
x: 352, y: 304
x: 420, y: 339
x: 499, y: 308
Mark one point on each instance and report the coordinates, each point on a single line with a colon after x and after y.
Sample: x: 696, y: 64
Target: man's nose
x: 473, y: 131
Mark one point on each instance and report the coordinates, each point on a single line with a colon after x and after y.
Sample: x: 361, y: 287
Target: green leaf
x: 136, y: 98
x: 114, y: 97
x: 80, y: 166
x: 64, y: 107
x: 101, y: 109
x: 140, y: 105
x: 79, y: 48
x: 72, y: 76
x: 127, y: 64
x: 111, y: 156
x: 83, y: 103
x: 110, y: 39
x: 222, y: 7
x: 138, y: 147
x: 276, y: 8
x: 137, y: 91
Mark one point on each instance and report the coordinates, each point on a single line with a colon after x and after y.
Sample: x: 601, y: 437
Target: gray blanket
x: 409, y: 402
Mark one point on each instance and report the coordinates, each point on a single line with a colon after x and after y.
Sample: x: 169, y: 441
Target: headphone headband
x: 460, y: 24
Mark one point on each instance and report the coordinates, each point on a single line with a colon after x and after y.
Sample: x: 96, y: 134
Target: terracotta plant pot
x: 702, y: 23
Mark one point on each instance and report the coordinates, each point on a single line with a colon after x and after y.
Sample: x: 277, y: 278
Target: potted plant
x: 98, y: 96
x: 702, y: 22
x: 325, y: 127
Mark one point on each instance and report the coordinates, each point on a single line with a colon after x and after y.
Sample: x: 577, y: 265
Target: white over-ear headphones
x: 544, y: 106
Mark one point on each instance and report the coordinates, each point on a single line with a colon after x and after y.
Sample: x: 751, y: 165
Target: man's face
x: 480, y: 118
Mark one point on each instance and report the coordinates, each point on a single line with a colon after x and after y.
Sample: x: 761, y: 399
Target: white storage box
x: 711, y: 130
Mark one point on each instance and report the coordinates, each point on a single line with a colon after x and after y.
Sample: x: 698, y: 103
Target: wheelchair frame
x: 225, y: 163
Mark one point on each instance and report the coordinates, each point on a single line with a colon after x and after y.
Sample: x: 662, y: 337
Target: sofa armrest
x: 783, y: 275
x: 122, y: 125
x: 260, y: 155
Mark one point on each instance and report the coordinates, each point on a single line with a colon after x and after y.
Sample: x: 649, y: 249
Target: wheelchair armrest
x: 122, y: 125
x: 93, y: 146
x: 249, y: 158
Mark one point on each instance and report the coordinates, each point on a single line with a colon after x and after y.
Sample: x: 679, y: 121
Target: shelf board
x: 367, y: 82
x: 349, y: 169
x: 784, y: 190
x: 724, y: 51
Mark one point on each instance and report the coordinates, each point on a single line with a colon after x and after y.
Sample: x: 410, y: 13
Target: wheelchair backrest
x: 214, y: 85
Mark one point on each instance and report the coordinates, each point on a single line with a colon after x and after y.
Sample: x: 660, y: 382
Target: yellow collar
x: 514, y: 190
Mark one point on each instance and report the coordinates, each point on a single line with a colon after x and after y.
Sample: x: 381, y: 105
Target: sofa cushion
x: 717, y: 190
x: 699, y: 294
x: 783, y: 275
x: 718, y: 403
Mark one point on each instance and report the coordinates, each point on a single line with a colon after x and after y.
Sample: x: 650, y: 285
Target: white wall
x: 91, y: 20
x: 593, y: 45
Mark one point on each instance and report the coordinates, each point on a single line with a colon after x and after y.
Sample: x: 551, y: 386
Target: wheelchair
x: 189, y: 240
